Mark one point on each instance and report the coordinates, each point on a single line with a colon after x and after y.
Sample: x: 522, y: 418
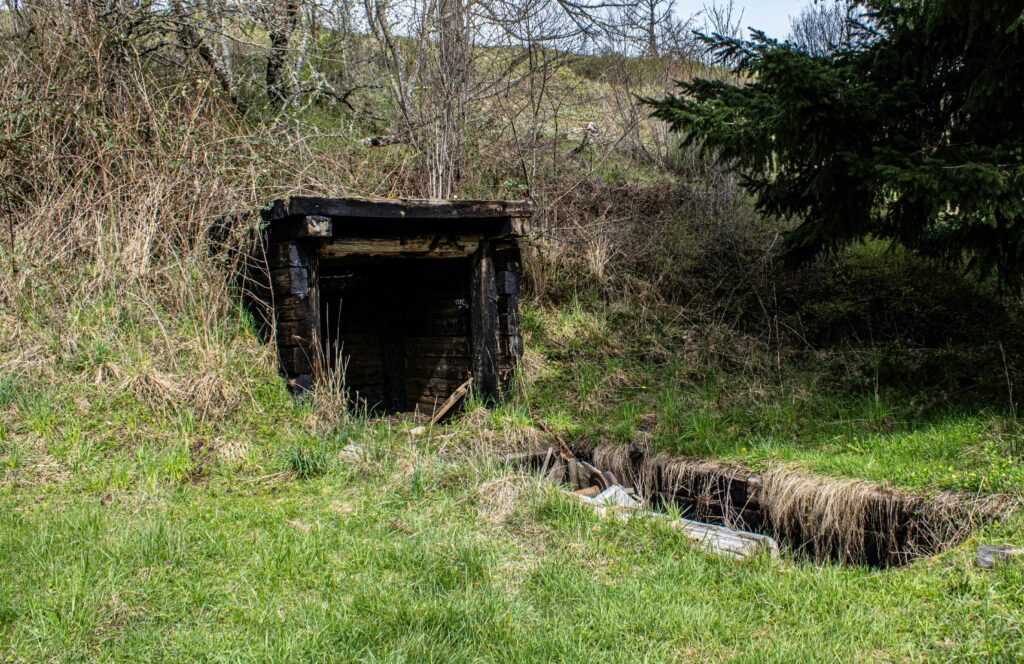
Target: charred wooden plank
x: 431, y: 385
x: 510, y: 343
x: 297, y: 314
x: 360, y: 337
x: 419, y: 366
x: 447, y: 326
x: 291, y: 307
x: 507, y: 282
x: 394, y: 363
x: 294, y: 360
x: 290, y: 281
x: 300, y: 206
x: 285, y: 254
x: 508, y: 324
x: 294, y: 332
x: 444, y: 307
x: 484, y: 322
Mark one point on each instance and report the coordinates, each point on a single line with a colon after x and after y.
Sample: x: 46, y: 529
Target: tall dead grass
x: 113, y: 168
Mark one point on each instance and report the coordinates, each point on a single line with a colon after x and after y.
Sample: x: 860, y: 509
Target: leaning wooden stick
x: 449, y: 403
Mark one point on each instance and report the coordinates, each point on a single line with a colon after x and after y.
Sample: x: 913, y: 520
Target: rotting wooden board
x: 989, y: 555
x: 449, y: 403
x: 419, y: 246
x: 718, y: 540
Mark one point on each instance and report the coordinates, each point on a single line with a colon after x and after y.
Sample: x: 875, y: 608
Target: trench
x: 814, y: 517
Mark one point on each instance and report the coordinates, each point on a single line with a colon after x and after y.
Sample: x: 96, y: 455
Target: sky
x: 772, y: 16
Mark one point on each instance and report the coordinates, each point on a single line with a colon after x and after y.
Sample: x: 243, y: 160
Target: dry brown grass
x: 826, y: 518
x: 499, y: 498
x: 114, y: 166
x: 112, y: 176
x: 843, y: 518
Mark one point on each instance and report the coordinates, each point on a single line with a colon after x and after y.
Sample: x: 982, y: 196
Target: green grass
x: 143, y: 521
x: 600, y: 372
x: 384, y: 560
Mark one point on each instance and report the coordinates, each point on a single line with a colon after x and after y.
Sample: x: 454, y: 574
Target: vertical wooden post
x: 293, y: 275
x: 483, y: 317
x: 510, y: 340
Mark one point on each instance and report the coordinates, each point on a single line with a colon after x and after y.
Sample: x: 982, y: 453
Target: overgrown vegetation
x: 163, y: 497
x: 907, y: 130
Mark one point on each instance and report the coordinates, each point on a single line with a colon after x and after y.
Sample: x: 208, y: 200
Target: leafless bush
x: 825, y: 26
x: 113, y: 170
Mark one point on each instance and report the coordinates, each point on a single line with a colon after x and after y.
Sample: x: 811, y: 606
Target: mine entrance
x: 407, y: 299
x: 399, y: 328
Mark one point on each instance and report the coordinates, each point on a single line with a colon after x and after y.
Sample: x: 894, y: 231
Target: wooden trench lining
x: 309, y: 239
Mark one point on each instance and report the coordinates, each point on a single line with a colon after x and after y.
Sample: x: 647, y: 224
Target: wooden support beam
x: 301, y: 206
x: 416, y: 246
x: 297, y: 313
x: 483, y: 317
x: 507, y: 261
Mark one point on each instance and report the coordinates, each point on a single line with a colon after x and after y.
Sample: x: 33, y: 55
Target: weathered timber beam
x: 419, y: 246
x: 297, y: 312
x: 299, y: 206
x: 483, y: 319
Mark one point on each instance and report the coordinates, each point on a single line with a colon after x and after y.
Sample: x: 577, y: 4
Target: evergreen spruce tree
x: 913, y: 132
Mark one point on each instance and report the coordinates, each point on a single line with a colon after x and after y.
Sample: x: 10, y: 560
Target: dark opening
x: 400, y: 328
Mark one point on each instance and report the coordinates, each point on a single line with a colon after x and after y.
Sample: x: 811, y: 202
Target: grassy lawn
x: 229, y: 523
x: 413, y: 553
x: 720, y: 397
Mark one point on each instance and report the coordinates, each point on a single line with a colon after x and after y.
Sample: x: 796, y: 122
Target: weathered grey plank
x: 991, y: 555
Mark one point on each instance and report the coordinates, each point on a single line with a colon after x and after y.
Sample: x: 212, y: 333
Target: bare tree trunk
x: 308, y: 29
x: 453, y: 76
x: 282, y: 27
x: 220, y: 12
x: 191, y: 40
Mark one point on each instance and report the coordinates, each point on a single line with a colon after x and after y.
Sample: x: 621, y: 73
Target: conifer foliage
x: 912, y: 132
